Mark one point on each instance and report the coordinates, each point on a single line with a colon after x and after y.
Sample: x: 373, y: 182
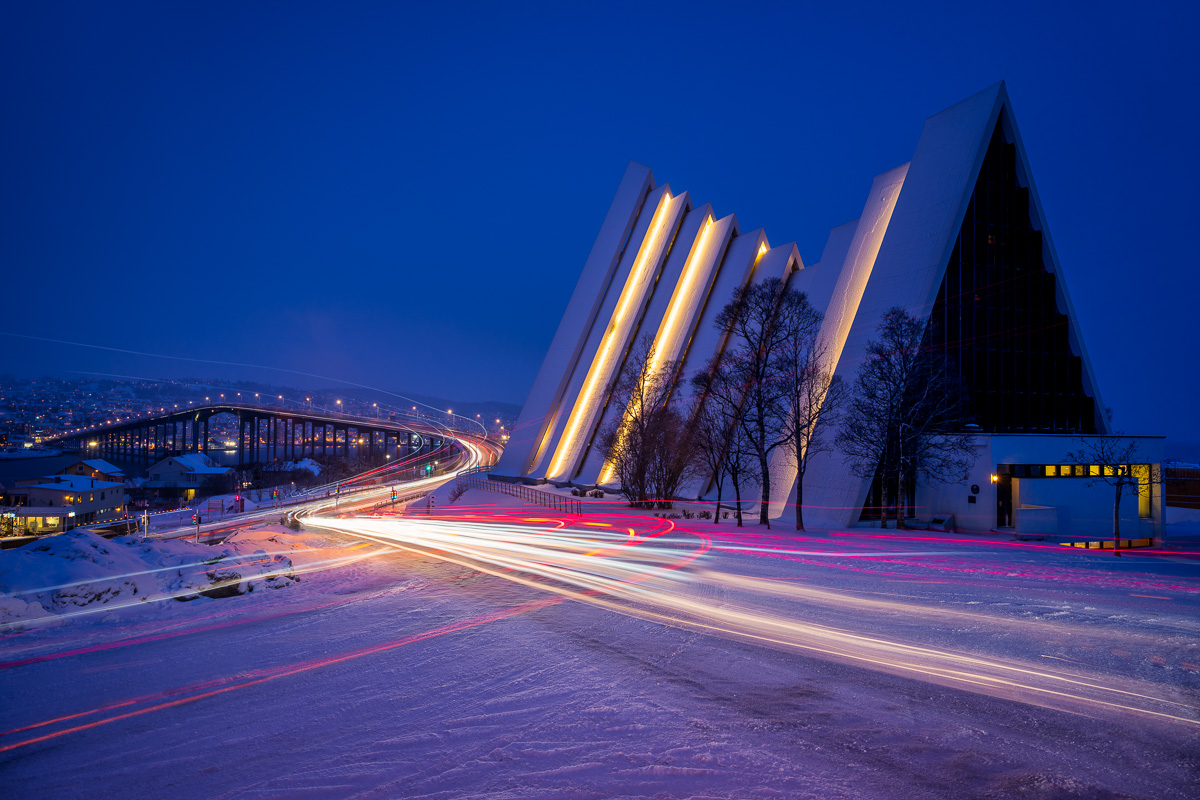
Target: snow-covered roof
x: 100, y: 465
x: 198, y: 463
x: 73, y: 483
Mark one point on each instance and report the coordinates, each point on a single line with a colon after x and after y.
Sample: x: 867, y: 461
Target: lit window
x: 1141, y: 472
x: 1051, y: 470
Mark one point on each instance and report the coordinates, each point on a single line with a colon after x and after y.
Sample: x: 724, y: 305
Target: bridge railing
x: 478, y: 480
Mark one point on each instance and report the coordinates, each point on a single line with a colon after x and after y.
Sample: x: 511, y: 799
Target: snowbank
x: 82, y: 572
x: 306, y: 464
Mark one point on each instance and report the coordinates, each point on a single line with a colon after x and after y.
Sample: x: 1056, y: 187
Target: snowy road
x: 554, y: 660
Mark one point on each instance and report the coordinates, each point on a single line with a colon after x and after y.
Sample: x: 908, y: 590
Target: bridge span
x: 264, y: 434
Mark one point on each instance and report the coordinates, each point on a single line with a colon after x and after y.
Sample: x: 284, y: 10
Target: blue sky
x: 403, y: 196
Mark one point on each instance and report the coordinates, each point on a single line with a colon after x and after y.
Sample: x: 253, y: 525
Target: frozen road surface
x: 510, y: 653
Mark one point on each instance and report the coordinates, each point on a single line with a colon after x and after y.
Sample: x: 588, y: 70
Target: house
x: 95, y: 468
x: 185, y: 473
x: 56, y: 503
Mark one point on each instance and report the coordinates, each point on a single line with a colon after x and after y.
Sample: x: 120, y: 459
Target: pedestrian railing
x: 479, y: 480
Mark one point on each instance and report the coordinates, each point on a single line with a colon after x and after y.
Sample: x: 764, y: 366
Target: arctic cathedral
x: 957, y: 236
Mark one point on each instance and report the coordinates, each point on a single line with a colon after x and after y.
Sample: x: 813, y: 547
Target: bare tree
x: 760, y: 321
x: 720, y: 440
x: 1109, y: 461
x: 671, y: 460
x: 815, y: 397
x: 643, y: 426
x: 709, y: 429
x: 906, y: 416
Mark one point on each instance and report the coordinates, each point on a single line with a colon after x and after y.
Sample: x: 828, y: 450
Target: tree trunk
x: 764, y: 471
x: 737, y: 498
x: 883, y: 503
x: 901, y: 503
x: 717, y: 509
x: 800, y: 499
x: 1117, y: 519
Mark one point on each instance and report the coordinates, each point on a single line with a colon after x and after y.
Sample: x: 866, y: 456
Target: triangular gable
x: 911, y: 262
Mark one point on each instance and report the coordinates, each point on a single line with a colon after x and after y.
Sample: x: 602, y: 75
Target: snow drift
x: 80, y: 572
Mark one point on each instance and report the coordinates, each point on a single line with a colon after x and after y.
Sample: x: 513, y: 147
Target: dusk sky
x: 404, y: 196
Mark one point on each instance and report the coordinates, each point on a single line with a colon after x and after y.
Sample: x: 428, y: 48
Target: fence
x: 478, y: 480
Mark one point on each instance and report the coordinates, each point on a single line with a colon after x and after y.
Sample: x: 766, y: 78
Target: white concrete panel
x: 685, y: 265
x: 777, y: 262
x: 608, y: 296
x: 735, y: 269
x: 546, y: 393
x: 628, y: 293
x: 818, y: 281
x: 833, y: 495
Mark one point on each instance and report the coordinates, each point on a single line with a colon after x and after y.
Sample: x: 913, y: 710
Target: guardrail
x: 477, y: 480
x: 401, y: 499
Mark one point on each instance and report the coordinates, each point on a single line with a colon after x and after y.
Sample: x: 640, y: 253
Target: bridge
x: 264, y: 434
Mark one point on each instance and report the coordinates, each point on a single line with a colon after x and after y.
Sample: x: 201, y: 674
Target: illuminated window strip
x: 666, y: 333
x: 584, y: 406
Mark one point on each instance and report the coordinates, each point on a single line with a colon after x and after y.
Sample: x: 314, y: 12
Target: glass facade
x: 998, y: 316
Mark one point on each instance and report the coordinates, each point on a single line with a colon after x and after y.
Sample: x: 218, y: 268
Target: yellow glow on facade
x: 860, y: 262
x: 585, y: 404
x: 667, y: 339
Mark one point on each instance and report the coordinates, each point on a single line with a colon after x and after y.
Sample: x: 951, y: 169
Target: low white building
x: 1027, y: 484
x: 57, y: 503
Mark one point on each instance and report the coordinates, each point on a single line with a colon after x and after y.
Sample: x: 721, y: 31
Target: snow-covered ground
x: 386, y: 673
x: 80, y: 573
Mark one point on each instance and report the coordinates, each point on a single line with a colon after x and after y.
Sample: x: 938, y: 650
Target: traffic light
x: 195, y: 518
x: 429, y: 467
x: 393, y: 494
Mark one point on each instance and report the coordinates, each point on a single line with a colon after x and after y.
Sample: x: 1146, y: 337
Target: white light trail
x: 646, y: 579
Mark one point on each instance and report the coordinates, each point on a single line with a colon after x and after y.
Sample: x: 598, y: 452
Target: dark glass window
x: 997, y: 315
x: 998, y: 321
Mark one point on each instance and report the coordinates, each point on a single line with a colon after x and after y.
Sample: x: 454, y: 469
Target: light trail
x: 660, y: 578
